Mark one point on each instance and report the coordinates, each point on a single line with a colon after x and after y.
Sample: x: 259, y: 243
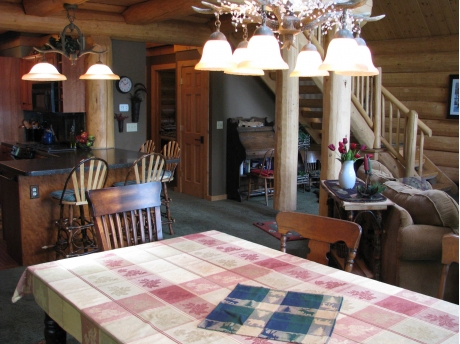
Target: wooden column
x: 377, y: 112
x: 336, y: 126
x: 99, y: 97
x: 286, y: 135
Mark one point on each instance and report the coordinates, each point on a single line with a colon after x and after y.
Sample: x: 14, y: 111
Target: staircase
x: 378, y: 120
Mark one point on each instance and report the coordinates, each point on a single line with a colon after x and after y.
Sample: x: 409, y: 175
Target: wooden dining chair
x: 265, y: 172
x: 322, y: 232
x: 126, y: 216
x: 449, y: 256
x: 171, y: 151
x: 148, y: 168
x: 147, y: 147
x: 75, y: 236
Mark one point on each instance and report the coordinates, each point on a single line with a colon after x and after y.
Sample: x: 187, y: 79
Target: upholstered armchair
x: 412, y: 241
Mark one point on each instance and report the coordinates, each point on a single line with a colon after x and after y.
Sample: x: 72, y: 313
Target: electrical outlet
x: 34, y: 191
x: 123, y: 107
x: 220, y: 125
x: 131, y: 127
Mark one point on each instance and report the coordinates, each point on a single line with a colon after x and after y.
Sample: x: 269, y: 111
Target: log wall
x: 416, y: 71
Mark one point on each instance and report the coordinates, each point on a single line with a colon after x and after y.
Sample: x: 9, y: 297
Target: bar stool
x: 75, y: 233
x: 147, y: 147
x: 171, y: 151
x: 148, y: 168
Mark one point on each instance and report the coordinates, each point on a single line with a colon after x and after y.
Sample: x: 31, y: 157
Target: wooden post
x: 99, y: 97
x: 410, y: 142
x: 378, y: 111
x: 286, y: 135
x: 336, y: 124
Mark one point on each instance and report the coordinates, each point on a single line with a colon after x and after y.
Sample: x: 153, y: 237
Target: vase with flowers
x: 347, y: 156
x: 121, y: 120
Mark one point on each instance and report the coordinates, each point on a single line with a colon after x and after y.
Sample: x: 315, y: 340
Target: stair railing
x: 394, y: 124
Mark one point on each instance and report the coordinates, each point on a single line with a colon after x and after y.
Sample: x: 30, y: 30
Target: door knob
x: 201, y: 139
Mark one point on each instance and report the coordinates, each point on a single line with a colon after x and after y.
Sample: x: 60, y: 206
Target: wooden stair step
x: 429, y: 175
x: 417, y: 162
x: 309, y: 89
x: 311, y: 103
x: 316, y: 126
x: 306, y: 113
x: 442, y: 186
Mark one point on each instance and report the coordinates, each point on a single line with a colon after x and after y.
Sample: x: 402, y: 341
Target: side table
x: 354, y: 210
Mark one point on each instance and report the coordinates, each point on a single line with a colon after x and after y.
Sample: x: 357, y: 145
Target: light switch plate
x: 220, y: 125
x: 131, y: 127
x: 124, y: 107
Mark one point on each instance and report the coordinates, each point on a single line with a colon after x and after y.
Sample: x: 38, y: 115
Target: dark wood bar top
x: 62, y: 163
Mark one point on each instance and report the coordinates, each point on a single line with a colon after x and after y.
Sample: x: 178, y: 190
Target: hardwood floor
x: 6, y: 262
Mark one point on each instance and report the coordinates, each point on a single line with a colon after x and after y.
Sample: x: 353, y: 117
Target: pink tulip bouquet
x: 351, y: 154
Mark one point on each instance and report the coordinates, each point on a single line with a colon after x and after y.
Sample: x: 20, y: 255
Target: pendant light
x: 308, y: 62
x: 263, y: 49
x: 241, y: 54
x: 44, y: 71
x: 217, y: 53
x: 363, y: 58
x: 99, y: 71
x: 342, y: 51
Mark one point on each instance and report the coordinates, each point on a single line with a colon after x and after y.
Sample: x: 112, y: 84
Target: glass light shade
x: 44, y: 71
x: 364, y: 61
x: 308, y: 62
x: 341, y: 53
x: 217, y: 54
x: 264, y: 51
x: 99, y: 71
x: 240, y: 54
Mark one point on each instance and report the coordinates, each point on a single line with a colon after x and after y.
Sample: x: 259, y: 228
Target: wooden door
x: 194, y: 129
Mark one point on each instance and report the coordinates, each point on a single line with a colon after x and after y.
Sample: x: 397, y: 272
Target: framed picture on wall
x: 452, y: 106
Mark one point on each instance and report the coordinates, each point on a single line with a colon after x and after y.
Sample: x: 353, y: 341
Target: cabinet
x: 245, y: 146
x: 26, y: 86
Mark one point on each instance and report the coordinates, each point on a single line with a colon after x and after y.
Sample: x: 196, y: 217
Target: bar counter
x: 29, y: 223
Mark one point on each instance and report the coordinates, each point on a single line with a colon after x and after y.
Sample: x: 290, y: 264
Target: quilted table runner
x: 275, y: 314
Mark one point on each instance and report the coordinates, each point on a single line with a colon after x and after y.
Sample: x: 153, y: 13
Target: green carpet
x: 22, y: 322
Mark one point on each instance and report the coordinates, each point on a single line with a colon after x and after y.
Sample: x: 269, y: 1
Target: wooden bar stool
x: 75, y: 233
x: 171, y: 151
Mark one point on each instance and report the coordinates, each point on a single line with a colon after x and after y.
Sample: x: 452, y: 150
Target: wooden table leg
x: 54, y: 334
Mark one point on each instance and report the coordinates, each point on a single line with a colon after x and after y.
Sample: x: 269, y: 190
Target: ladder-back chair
x: 126, y: 216
x: 171, y: 151
x: 75, y: 233
x: 322, y: 232
x: 264, y: 171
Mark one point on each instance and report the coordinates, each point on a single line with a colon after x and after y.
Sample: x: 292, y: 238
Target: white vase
x: 347, y: 175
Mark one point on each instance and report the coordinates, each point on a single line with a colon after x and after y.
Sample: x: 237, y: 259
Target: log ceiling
x: 174, y: 21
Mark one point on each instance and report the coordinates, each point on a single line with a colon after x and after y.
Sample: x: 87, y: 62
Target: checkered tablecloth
x: 160, y: 292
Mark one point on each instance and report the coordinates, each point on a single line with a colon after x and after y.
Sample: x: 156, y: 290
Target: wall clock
x: 124, y: 85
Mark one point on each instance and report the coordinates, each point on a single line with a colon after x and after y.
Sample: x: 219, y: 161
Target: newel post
x: 378, y: 113
x: 410, y: 142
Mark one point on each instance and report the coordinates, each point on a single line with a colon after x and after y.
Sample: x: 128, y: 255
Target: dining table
x: 160, y: 292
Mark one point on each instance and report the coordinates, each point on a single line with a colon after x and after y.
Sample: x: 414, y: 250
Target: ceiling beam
x: 159, y: 10
x: 12, y: 18
x: 42, y: 8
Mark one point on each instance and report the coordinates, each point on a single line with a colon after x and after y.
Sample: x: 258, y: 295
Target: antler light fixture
x: 288, y: 18
x: 72, y: 49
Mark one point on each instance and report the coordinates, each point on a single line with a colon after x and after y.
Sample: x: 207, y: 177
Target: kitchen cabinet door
x: 26, y: 86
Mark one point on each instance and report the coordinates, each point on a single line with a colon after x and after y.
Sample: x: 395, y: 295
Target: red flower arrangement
x: 345, y: 154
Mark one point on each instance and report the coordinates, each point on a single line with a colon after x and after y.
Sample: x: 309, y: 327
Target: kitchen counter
x: 59, y: 163
x: 29, y: 219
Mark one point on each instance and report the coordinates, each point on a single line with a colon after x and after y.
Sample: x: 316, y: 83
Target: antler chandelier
x: 71, y: 48
x: 288, y: 18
